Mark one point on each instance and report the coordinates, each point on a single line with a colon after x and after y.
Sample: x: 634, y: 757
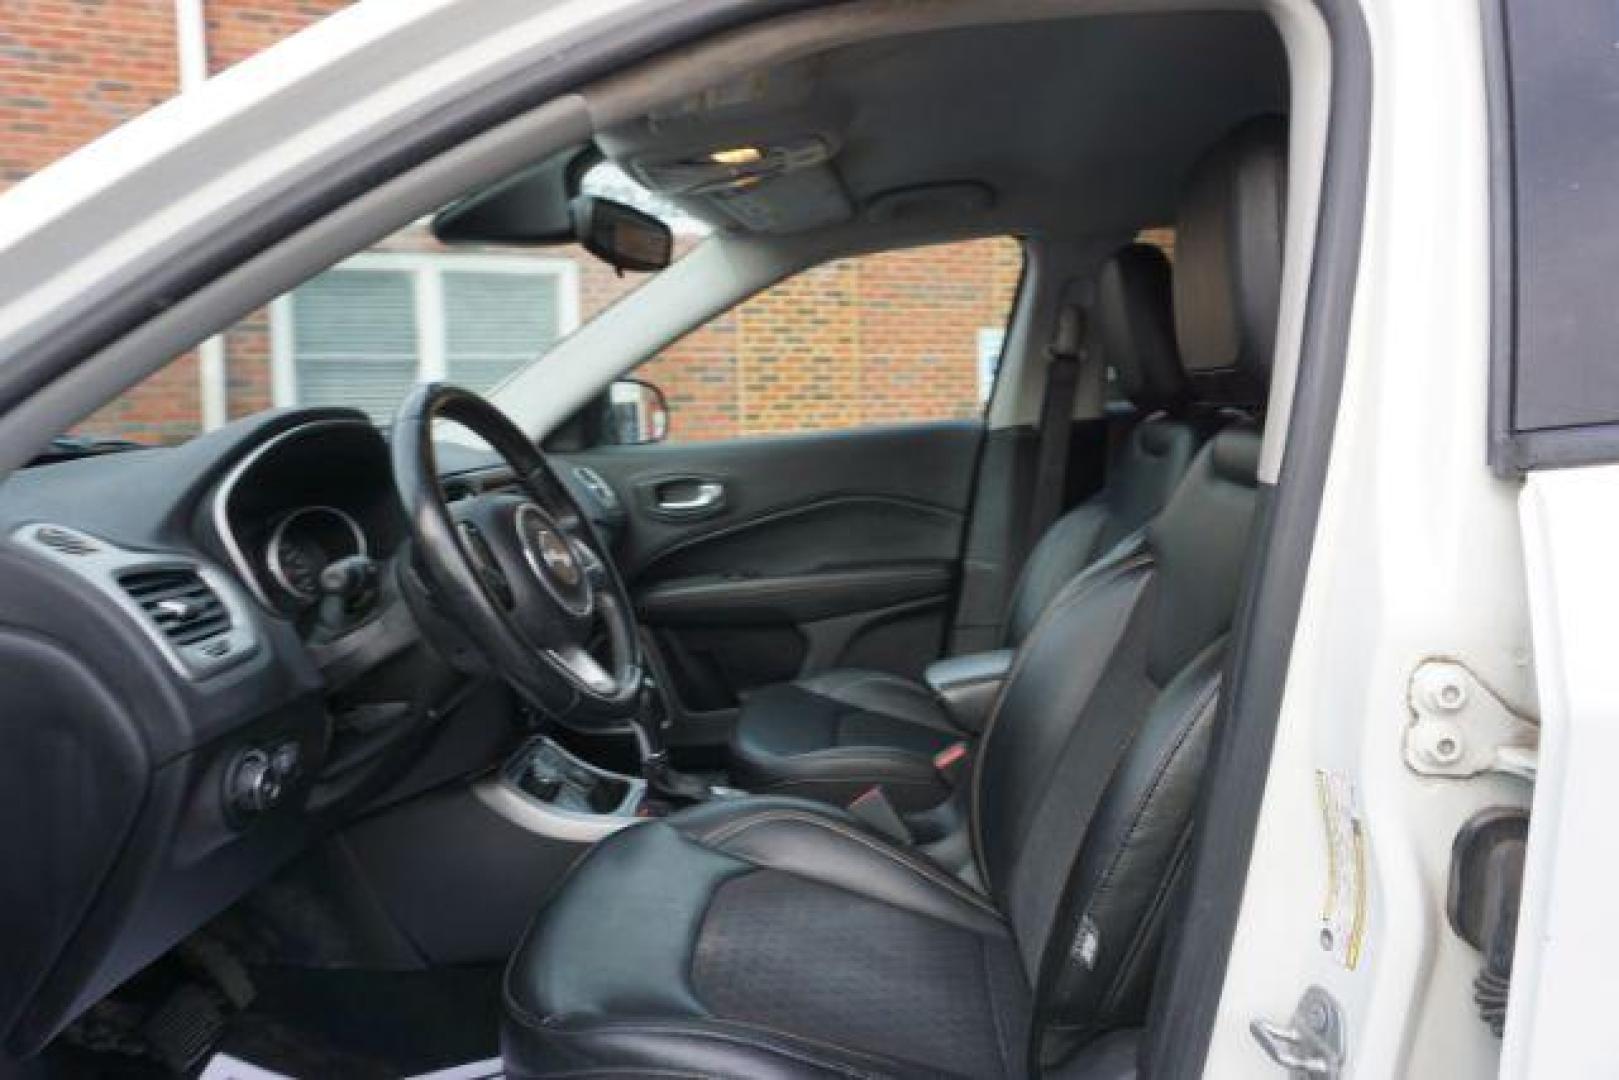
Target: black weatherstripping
x: 1181, y: 1025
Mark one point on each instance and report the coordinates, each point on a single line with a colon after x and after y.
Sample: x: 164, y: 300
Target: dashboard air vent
x: 179, y: 602
x: 65, y: 541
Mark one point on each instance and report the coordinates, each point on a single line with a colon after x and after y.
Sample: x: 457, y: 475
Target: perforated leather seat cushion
x: 765, y: 937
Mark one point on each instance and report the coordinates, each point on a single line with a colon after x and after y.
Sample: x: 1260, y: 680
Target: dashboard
x: 177, y: 713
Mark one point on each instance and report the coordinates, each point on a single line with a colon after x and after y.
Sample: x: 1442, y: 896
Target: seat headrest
x: 1135, y: 328
x: 1228, y: 263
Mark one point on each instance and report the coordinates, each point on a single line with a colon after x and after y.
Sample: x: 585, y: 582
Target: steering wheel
x: 520, y: 572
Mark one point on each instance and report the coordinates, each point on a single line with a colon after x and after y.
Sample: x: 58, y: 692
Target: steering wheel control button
x: 484, y: 564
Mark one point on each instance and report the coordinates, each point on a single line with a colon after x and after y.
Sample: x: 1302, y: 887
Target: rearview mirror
x: 620, y: 235
x: 529, y: 209
x: 633, y: 413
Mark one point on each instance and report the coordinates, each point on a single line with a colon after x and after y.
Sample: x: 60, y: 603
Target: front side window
x: 907, y: 336
x: 1556, y: 384
x: 362, y: 333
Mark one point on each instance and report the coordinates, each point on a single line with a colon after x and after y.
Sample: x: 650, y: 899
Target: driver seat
x: 778, y: 937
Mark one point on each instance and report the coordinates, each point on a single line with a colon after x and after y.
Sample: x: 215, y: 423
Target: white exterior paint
x: 191, y: 41
x: 1417, y: 555
x: 273, y: 119
x: 1565, y: 979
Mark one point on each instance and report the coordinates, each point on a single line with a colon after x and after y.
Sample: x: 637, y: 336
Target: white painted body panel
x: 1417, y: 555
x: 1566, y: 970
x: 1418, y: 550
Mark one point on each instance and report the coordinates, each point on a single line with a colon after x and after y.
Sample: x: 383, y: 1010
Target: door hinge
x: 1311, y: 1045
x: 1461, y: 728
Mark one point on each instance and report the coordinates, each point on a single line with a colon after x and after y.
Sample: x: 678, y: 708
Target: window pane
x: 497, y: 322
x: 898, y: 337
x: 355, y: 336
x: 354, y: 339
x: 1564, y: 82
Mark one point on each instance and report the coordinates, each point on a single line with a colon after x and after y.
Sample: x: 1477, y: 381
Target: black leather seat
x: 832, y: 735
x: 776, y: 937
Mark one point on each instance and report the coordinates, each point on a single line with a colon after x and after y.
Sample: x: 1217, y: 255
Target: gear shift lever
x: 663, y: 779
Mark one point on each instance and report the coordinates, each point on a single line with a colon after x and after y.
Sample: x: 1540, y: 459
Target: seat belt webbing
x: 1056, y: 423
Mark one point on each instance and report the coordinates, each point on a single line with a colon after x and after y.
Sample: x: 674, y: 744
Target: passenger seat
x: 833, y: 735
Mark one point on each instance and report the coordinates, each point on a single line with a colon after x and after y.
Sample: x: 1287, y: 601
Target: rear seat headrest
x: 1135, y: 328
x: 1228, y: 263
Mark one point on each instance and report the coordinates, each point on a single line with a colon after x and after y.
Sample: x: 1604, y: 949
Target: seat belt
x: 1056, y: 423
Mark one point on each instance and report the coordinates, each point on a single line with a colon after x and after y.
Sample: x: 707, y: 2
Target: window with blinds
x: 495, y: 323
x: 354, y: 339
x: 363, y: 333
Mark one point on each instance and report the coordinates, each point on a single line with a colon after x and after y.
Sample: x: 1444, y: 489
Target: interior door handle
x: 680, y: 499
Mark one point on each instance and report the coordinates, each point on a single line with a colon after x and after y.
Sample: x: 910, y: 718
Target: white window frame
x: 427, y: 269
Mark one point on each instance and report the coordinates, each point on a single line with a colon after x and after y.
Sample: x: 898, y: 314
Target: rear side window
x: 1555, y: 122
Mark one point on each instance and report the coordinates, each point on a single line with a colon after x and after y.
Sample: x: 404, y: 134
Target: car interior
x: 485, y: 742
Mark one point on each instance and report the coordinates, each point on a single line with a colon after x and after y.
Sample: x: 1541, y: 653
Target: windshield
x: 361, y: 334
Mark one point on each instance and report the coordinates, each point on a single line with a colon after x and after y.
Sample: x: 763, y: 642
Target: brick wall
x: 884, y: 338
x: 71, y: 70
x: 881, y: 338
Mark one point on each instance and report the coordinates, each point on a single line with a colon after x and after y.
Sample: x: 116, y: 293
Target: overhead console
x: 759, y: 151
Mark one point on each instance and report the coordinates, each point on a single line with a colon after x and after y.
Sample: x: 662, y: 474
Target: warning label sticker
x: 1343, y: 911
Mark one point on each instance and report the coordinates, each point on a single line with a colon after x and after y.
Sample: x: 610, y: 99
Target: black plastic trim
x: 1505, y: 453
x: 800, y: 598
x: 1193, y: 973
x: 1513, y: 451
x: 1022, y: 297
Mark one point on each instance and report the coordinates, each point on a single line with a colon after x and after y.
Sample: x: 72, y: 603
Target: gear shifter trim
x: 504, y: 794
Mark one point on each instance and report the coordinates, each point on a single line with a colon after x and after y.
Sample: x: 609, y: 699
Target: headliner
x: 1080, y: 126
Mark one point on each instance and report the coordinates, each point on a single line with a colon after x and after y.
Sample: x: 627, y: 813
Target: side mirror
x: 620, y: 235
x: 633, y: 413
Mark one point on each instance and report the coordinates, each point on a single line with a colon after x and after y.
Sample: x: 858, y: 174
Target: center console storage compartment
x: 544, y: 771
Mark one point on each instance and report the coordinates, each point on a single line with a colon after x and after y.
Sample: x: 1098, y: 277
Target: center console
x: 464, y: 866
x: 550, y: 791
x: 547, y: 790
x: 551, y: 775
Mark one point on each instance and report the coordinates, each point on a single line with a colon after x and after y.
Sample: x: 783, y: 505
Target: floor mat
x: 362, y: 1024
